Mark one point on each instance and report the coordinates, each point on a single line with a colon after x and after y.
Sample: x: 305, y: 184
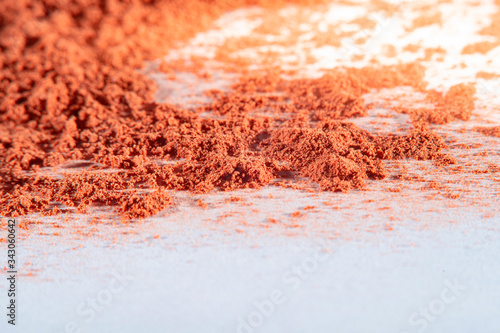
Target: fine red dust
x: 70, y: 91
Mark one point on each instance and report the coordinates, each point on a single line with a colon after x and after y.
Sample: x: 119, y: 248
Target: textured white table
x: 367, y: 261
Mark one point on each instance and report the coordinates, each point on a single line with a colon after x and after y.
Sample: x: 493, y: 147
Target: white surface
x: 385, y: 256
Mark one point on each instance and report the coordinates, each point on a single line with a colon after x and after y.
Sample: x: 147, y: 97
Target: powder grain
x: 70, y: 92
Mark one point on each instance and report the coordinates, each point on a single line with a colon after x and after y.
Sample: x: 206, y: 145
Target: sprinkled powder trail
x: 71, y: 92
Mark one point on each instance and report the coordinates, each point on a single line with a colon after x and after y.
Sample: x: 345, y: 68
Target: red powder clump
x: 491, y: 131
x: 299, y: 134
x: 456, y: 104
x: 70, y: 91
x: 426, y: 19
x: 486, y: 75
x: 135, y: 206
x: 481, y: 47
